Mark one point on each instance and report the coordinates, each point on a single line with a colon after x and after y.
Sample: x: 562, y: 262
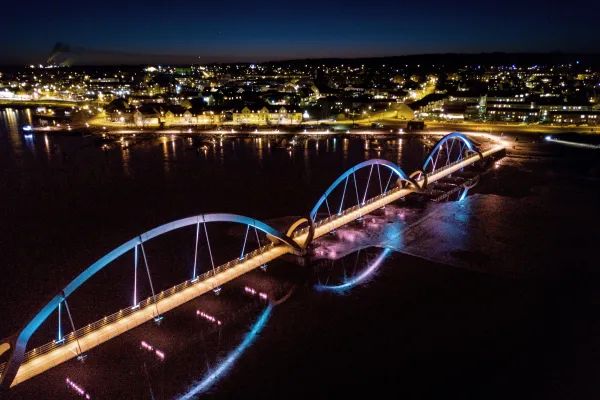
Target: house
x: 147, y: 115
x: 175, y: 115
x: 267, y: 115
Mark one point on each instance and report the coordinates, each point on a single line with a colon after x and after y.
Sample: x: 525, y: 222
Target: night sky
x: 255, y: 30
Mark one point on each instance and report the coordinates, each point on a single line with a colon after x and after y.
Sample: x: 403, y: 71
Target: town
x: 540, y: 90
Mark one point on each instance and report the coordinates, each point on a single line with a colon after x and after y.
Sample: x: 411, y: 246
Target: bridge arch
x: 418, y: 174
x: 435, y: 151
x: 402, y: 176
x: 18, y: 348
x: 310, y: 233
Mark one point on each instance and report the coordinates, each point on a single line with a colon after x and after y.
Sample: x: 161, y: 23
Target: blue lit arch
x: 455, y: 135
x: 393, y: 167
x: 19, y: 343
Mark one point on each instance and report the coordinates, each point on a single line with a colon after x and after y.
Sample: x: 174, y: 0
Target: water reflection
x: 213, y: 377
x: 47, y: 147
x: 11, y: 125
x: 126, y: 157
x: 30, y: 143
x: 345, y: 148
x: 166, y: 161
x: 260, y: 151
x: 399, y: 152
x: 350, y: 282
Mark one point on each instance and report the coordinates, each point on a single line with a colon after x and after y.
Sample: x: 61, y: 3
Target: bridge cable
x: 436, y: 158
x: 73, y: 326
x: 388, y: 182
x: 196, y: 248
x: 379, y: 174
x: 209, y: 249
x: 245, y: 239
x: 356, y: 189
x: 450, y: 151
x: 343, y: 195
x: 368, y: 182
x: 262, y: 259
x: 135, y: 269
x: 60, y: 336
x: 149, y: 277
x: 329, y: 212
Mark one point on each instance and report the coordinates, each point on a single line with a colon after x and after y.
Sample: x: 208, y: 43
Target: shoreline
x: 338, y: 130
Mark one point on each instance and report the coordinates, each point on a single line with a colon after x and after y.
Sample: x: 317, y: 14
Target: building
x: 267, y: 115
x: 146, y: 116
x: 590, y: 118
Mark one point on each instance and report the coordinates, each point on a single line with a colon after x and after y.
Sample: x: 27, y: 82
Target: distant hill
x: 456, y: 59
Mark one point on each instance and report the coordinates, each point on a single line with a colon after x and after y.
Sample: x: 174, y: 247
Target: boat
x: 27, y: 129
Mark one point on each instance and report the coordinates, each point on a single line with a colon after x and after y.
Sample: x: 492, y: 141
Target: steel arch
x: 20, y: 343
x: 443, y: 140
x: 395, y: 169
x: 311, y: 231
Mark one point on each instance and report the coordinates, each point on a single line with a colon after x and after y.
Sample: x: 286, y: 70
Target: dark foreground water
x: 494, y: 296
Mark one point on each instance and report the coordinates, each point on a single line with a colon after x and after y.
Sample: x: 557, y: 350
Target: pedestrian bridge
x: 346, y: 200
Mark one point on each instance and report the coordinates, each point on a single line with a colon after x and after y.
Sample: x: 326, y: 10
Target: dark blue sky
x: 260, y: 30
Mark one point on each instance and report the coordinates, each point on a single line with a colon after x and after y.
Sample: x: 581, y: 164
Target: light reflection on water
x: 224, y: 366
x: 353, y: 281
x: 364, y: 270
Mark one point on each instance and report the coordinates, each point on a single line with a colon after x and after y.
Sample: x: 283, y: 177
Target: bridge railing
x: 333, y: 217
x: 347, y: 211
x: 150, y: 301
x: 452, y: 164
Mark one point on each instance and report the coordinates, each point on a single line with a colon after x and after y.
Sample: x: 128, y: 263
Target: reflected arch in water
x: 225, y: 366
x: 358, y: 279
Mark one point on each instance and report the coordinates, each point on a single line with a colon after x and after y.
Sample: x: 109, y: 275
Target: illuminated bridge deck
x: 50, y: 355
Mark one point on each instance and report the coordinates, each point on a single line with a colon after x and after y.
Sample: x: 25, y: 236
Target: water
x: 481, y: 298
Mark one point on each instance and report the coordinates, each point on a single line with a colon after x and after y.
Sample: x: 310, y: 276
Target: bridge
x: 343, y: 202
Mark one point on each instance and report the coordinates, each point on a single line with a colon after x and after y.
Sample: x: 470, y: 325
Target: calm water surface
x: 491, y: 297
